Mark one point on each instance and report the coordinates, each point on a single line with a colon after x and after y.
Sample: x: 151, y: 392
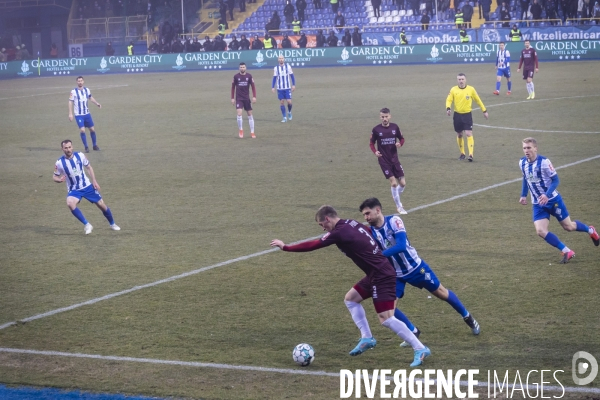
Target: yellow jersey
x: 463, y: 99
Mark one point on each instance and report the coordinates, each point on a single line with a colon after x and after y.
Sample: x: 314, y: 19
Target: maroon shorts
x: 245, y: 104
x: 395, y: 169
x: 383, y: 292
x: 527, y: 73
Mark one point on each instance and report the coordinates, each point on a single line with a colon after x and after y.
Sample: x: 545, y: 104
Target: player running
x: 502, y: 68
x: 352, y: 238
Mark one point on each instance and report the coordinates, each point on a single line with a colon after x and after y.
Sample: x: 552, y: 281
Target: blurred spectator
x: 524, y: 9
x: 467, y: 14
x: 356, y: 37
x: 347, y: 38
x: 286, y: 43
x: 257, y: 44
x: 425, y: 21
x: 334, y: 6
x: 187, y: 45
x: 269, y: 42
x: 242, y: 5
x: 596, y: 12
x: 443, y: 6
x: 302, y: 42
x: 177, y: 46
x: 130, y: 50
x: 234, y: 44
x: 230, y: 4
x: 301, y: 6
x: 332, y: 40
x: 296, y: 26
x: 208, y: 44
x: 244, y: 43
x: 486, y: 5
x: 288, y: 13
x: 3, y: 57
x: 551, y: 7
x: 339, y: 22
x: 18, y: 53
x: 219, y: 44
x: 320, y: 38
x: 273, y: 24
x: 317, y: 4
x: 108, y: 9
x: 53, y: 51
x: 505, y: 15
x: 403, y: 38
x: 196, y: 45
x: 109, y: 50
x: 376, y: 8
x: 153, y: 48
x: 536, y: 10
x: 167, y: 31
x: 165, y: 46
x: 459, y: 18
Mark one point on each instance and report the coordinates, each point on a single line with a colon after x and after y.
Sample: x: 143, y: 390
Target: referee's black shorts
x: 463, y: 122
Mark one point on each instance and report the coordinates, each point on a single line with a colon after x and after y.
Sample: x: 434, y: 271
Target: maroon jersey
x: 385, y: 137
x: 355, y: 241
x: 529, y: 59
x: 241, y: 85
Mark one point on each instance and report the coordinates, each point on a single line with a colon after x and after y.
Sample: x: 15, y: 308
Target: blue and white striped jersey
x: 406, y: 261
x: 80, y: 97
x: 538, y: 175
x: 282, y: 75
x: 503, y: 59
x: 73, y: 169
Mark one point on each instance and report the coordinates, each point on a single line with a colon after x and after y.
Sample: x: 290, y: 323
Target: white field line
x: 581, y: 389
x: 529, y: 130
x: 537, y: 100
x: 243, y: 258
x: 61, y: 92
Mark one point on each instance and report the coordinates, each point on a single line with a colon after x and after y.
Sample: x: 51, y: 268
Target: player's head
x: 462, y: 80
x: 281, y: 60
x: 79, y: 81
x: 384, y: 116
x: 371, y: 211
x: 530, y: 148
x: 67, y: 147
x: 527, y: 44
x: 502, y: 44
x: 243, y: 67
x: 327, y: 217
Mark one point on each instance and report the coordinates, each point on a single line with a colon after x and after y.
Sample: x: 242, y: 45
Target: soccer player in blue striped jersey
x: 78, y: 105
x: 70, y: 169
x: 540, y: 178
x: 284, y: 81
x: 502, y: 68
x: 389, y: 232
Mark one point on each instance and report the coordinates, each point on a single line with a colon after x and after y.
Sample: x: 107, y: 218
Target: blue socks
x: 108, y: 216
x: 454, y: 301
x: 79, y: 215
x: 581, y: 227
x: 553, y: 240
x: 83, y: 139
x: 498, y: 85
x: 289, y: 108
x: 93, y: 135
x: 401, y: 317
x: 509, y: 83
x: 282, y: 110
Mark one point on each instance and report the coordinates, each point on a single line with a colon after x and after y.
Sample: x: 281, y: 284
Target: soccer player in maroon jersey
x: 239, y: 88
x: 354, y: 240
x: 529, y: 61
x: 388, y: 137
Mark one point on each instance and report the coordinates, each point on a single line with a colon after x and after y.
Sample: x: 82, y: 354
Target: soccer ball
x: 303, y: 354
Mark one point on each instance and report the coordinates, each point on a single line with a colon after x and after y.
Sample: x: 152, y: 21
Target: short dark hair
x: 78, y: 78
x: 461, y: 74
x: 242, y: 63
x: 65, y: 142
x: 371, y: 202
x: 325, y: 211
x: 502, y: 43
x: 385, y: 110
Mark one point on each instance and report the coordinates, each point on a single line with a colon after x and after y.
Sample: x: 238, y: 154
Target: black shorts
x: 527, y: 73
x: 245, y: 104
x: 463, y: 122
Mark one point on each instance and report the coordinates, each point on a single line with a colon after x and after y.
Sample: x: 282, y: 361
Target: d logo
x: 580, y: 368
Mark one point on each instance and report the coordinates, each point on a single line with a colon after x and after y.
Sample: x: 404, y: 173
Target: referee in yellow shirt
x: 463, y: 95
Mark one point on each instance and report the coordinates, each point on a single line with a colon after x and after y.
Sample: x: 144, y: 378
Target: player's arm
x: 400, y: 138
x: 253, y: 91
x: 524, y: 190
x: 553, y: 185
x: 293, y: 79
x: 372, y: 144
x: 520, y: 62
x: 301, y: 247
x: 449, y: 100
x: 274, y: 79
x: 58, y: 176
x: 90, y: 171
x: 535, y: 58
x: 400, y: 245
x: 507, y: 59
x: 93, y: 100
x: 233, y: 92
x: 70, y: 110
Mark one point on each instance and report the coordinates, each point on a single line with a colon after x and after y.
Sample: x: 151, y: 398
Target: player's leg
x: 353, y: 298
x: 530, y: 83
x: 97, y: 200
x: 72, y: 200
x: 508, y: 82
x: 251, y: 122
x: 281, y: 95
x: 498, y: 82
x: 470, y: 143
x: 399, y: 172
x: 83, y: 138
x: 541, y: 222
x: 458, y: 128
x: 400, y: 285
x: 89, y: 123
x: 240, y: 120
x: 395, y: 195
x: 289, y: 107
x: 570, y: 226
